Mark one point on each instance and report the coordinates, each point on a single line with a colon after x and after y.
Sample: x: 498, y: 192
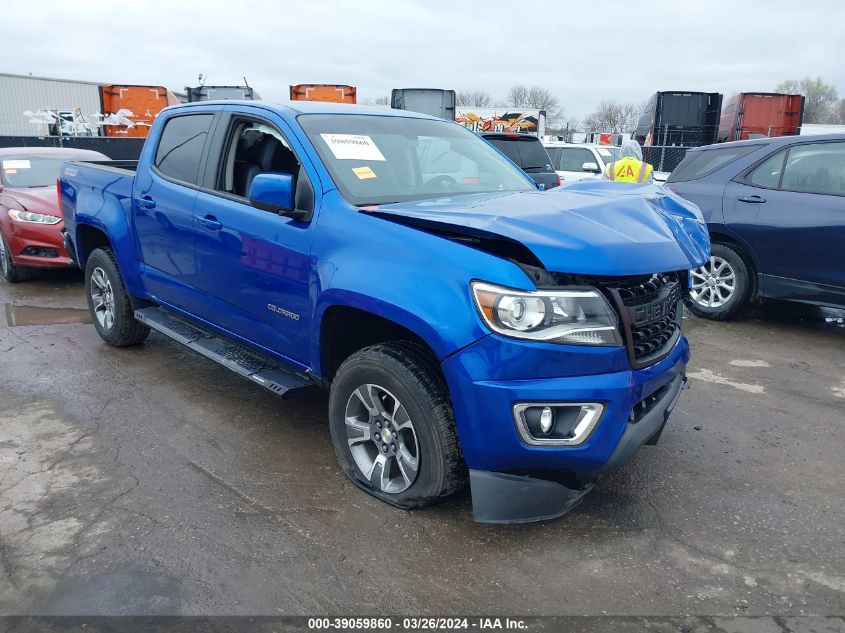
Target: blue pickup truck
x: 466, y: 325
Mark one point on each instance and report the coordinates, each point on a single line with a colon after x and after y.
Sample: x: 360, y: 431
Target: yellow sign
x: 363, y: 173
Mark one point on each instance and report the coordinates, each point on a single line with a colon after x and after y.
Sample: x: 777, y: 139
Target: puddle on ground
x: 13, y: 315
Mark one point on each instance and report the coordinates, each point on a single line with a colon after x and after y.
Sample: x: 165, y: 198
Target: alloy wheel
x: 713, y: 284
x: 382, y: 438
x: 103, y: 298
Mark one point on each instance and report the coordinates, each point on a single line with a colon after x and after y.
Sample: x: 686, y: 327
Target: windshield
x: 610, y: 153
x: 31, y: 172
x: 383, y: 159
x: 526, y: 151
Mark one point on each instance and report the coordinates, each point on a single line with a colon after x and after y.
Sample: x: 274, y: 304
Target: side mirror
x: 274, y: 192
x: 593, y: 168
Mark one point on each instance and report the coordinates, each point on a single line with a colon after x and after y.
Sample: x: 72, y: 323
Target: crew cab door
x: 790, y: 209
x: 163, y: 206
x: 254, y: 266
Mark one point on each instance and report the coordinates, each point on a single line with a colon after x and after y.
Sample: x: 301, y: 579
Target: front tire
x: 10, y: 271
x: 108, y: 302
x: 720, y: 288
x: 393, y: 428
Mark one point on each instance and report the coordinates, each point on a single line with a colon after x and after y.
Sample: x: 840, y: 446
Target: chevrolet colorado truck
x: 466, y: 325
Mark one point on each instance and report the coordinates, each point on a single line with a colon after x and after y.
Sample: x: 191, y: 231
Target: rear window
x: 180, y: 148
x: 526, y: 151
x: 700, y: 164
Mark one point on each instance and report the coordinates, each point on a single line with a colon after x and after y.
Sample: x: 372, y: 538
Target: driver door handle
x: 752, y: 199
x: 211, y: 223
x: 147, y: 203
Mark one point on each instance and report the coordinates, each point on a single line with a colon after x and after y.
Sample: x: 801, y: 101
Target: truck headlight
x: 573, y: 316
x: 35, y: 218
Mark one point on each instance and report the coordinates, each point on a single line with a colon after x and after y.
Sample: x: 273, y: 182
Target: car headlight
x: 574, y: 316
x: 35, y: 218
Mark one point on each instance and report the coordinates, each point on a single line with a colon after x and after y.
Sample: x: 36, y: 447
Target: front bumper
x: 505, y: 498
x: 25, y: 239
x: 512, y: 481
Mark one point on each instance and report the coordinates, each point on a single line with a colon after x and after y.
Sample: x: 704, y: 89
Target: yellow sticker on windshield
x: 363, y: 173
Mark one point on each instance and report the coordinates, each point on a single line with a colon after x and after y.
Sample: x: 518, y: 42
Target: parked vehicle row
x: 466, y: 325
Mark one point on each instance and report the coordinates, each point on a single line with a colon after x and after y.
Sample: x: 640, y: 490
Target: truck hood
x: 35, y: 199
x: 589, y: 227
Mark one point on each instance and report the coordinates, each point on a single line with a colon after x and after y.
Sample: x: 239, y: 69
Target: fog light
x: 556, y: 423
x: 547, y: 420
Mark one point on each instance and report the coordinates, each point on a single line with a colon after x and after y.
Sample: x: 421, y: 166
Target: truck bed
x: 129, y: 166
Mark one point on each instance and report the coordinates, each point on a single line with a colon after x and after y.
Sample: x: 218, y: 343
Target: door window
x: 816, y: 168
x: 253, y: 148
x: 181, y: 145
x: 572, y: 159
x: 767, y: 174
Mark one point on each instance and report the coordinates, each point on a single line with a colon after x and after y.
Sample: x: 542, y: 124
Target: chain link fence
x: 664, y: 157
x: 114, y: 148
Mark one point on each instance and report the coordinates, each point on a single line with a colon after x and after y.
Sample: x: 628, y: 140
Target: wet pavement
x: 152, y: 481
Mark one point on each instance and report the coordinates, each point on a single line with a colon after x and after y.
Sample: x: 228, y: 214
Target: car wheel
x: 720, y: 288
x: 393, y: 428
x: 10, y: 271
x: 109, y: 303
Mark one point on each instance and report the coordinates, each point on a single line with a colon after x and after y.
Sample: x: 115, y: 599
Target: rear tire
x: 720, y: 288
x: 393, y: 427
x: 10, y: 271
x: 108, y: 302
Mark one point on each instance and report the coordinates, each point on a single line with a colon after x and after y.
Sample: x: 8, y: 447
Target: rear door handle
x: 211, y: 223
x: 147, y: 203
x: 752, y: 199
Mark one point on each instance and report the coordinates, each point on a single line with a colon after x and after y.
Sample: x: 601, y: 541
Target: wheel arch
x: 726, y: 239
x: 344, y: 330
x: 89, y: 238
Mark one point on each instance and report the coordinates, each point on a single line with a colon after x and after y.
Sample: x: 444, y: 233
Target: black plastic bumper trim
x: 639, y: 433
x: 68, y: 244
x: 504, y: 498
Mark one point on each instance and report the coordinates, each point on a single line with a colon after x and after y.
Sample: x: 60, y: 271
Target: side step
x: 262, y: 370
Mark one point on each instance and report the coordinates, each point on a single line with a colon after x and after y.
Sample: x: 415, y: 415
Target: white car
x: 580, y: 161
x: 586, y: 161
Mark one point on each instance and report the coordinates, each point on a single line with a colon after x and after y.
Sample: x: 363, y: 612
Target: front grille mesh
x: 649, y: 338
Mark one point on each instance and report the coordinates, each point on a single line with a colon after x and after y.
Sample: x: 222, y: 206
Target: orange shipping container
x: 145, y: 102
x: 334, y: 93
x: 758, y: 114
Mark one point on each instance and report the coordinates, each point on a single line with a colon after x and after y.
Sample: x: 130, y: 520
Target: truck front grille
x: 650, y: 312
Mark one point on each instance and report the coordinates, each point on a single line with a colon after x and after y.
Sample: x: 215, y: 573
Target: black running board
x: 262, y: 370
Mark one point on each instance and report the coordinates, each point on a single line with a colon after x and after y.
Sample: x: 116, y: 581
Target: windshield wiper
x: 376, y: 204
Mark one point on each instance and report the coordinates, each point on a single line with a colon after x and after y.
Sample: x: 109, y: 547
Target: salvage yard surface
x: 153, y: 481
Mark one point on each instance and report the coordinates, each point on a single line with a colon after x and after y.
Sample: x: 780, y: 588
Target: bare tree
x: 820, y: 99
x: 537, y: 98
x: 474, y: 98
x: 518, y: 96
x: 842, y: 111
x: 384, y: 100
x: 613, y: 116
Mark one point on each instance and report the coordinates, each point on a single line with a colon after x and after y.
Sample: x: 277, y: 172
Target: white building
x: 22, y: 93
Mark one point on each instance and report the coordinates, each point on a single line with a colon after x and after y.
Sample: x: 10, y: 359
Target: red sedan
x: 30, y: 217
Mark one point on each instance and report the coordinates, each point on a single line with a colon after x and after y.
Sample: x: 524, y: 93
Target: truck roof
x: 315, y: 107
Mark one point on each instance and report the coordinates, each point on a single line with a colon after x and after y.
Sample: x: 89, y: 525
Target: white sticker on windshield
x: 352, y: 147
x: 15, y: 164
x: 605, y: 152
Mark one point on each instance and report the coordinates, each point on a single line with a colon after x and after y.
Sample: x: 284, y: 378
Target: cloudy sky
x: 583, y: 51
